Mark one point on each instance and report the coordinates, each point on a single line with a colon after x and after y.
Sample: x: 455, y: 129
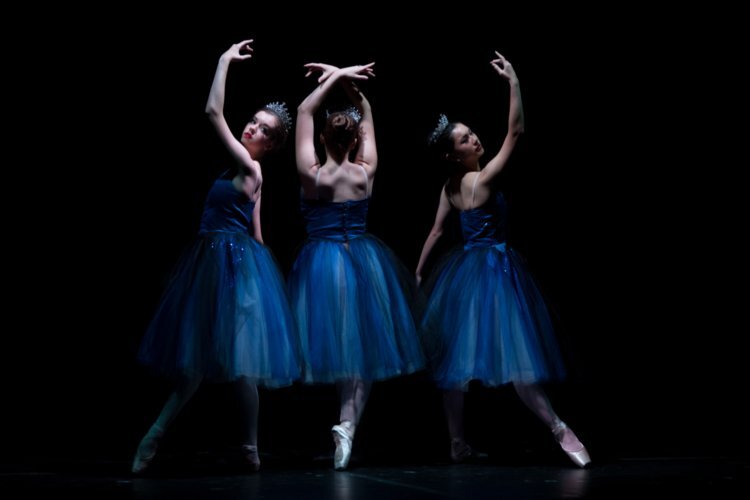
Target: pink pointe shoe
x: 146, y: 452
x: 342, y: 437
x: 570, y: 444
x: 250, y: 454
x: 460, y: 451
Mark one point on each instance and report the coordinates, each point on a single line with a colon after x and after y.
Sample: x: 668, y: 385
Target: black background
x: 622, y: 195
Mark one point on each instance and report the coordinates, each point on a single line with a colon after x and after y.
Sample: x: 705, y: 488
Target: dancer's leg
x: 353, y: 396
x: 251, y: 406
x: 536, y: 400
x: 182, y: 393
x: 453, y: 405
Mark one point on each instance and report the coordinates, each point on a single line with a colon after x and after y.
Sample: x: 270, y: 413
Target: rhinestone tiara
x: 279, y: 109
x: 442, y: 124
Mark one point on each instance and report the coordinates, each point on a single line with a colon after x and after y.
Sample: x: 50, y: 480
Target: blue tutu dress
x: 225, y: 313
x: 352, y: 299
x: 485, y: 318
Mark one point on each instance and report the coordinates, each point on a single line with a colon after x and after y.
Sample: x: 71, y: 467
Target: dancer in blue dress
x: 349, y: 292
x: 225, y: 313
x: 486, y: 317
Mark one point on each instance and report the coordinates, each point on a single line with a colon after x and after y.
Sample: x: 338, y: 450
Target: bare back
x: 466, y: 192
x: 344, y: 182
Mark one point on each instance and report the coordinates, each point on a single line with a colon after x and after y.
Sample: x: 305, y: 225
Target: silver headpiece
x: 353, y: 113
x: 442, y: 124
x: 279, y: 109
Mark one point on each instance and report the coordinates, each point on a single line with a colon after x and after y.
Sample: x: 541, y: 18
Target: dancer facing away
x: 225, y: 314
x: 486, y: 313
x: 348, y: 291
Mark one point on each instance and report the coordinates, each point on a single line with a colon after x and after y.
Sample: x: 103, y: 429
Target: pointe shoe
x: 570, y: 444
x: 146, y: 451
x: 250, y: 454
x: 342, y: 436
x: 460, y: 451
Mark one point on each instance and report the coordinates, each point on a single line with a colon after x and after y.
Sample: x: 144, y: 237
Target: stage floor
x: 205, y: 477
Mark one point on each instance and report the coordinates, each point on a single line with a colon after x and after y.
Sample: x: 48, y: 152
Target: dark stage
x: 658, y: 477
x: 619, y: 200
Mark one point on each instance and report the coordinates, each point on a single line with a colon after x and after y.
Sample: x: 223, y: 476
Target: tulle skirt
x: 354, y: 310
x: 486, y: 320
x: 225, y: 314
